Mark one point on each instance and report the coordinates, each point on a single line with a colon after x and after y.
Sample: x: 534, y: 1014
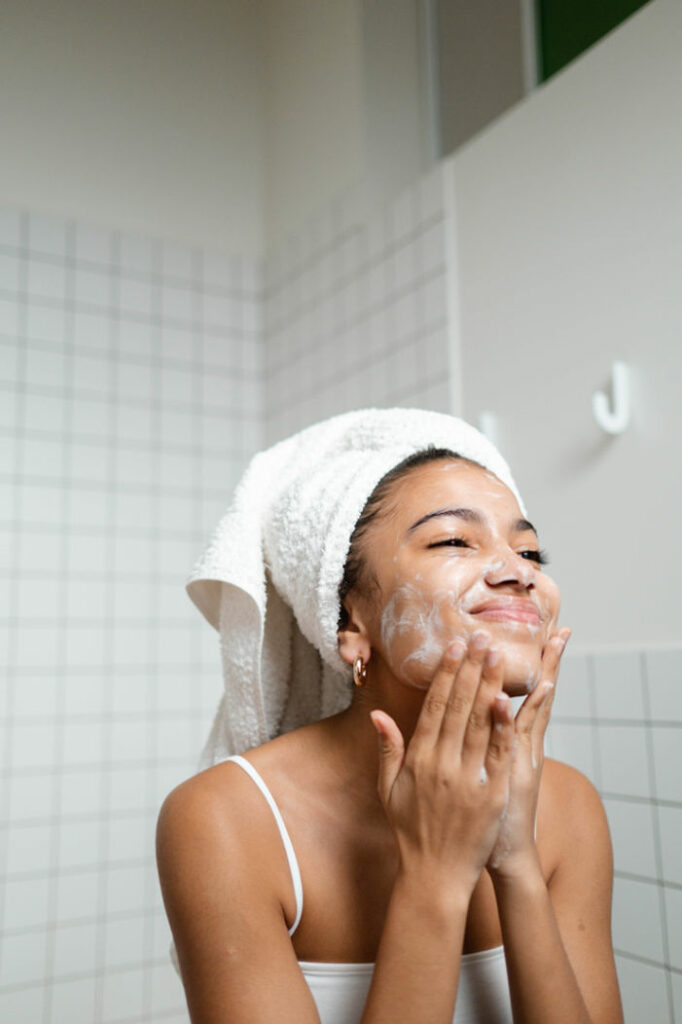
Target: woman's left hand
x: 515, y: 850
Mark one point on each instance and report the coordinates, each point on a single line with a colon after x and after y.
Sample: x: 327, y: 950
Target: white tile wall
x: 113, y: 390
x: 617, y: 717
x: 356, y: 315
x: 644, y: 990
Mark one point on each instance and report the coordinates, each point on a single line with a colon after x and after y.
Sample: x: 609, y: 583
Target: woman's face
x: 453, y: 555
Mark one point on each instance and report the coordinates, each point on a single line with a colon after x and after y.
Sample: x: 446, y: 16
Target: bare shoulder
x: 211, y: 821
x: 225, y: 885
x: 573, y: 816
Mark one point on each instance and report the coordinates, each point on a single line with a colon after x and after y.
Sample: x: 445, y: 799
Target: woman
x: 445, y: 868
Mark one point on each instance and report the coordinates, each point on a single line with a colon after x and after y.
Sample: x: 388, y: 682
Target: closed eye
x: 535, y: 556
x: 531, y: 554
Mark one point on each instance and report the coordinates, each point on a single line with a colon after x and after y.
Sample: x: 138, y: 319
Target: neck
x: 353, y: 731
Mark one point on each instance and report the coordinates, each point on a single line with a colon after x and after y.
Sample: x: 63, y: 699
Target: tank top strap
x: 286, y: 840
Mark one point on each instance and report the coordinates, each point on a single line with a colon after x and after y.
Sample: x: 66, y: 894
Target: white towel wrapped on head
x: 269, y: 579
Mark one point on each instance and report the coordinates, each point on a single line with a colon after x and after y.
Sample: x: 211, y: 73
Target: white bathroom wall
x: 147, y: 115
x: 618, y: 718
x: 130, y: 397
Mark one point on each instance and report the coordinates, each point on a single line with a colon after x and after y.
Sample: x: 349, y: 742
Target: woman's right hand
x: 445, y: 795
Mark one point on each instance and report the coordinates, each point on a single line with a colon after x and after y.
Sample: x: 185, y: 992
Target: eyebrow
x: 469, y: 515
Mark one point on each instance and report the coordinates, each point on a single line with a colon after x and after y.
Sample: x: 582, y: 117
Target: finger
x: 391, y: 752
x: 464, y: 705
x: 501, y: 741
x: 436, y: 699
x: 551, y: 656
x: 477, y: 732
x: 542, y: 716
x: 525, y: 716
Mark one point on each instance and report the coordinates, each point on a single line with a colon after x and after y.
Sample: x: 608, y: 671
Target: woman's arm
x: 557, y: 937
x: 236, y: 957
x: 443, y: 798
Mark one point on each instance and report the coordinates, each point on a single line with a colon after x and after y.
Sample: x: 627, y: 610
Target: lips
x: 512, y: 608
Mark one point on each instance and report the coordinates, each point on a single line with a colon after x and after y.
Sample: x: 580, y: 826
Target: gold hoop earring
x: 359, y: 671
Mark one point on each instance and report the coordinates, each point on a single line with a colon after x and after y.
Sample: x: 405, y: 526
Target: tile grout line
x: 61, y: 659
x: 658, y: 846
x: 12, y: 638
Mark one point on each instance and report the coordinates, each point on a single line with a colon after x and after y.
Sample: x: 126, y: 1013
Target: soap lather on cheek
x: 409, y: 612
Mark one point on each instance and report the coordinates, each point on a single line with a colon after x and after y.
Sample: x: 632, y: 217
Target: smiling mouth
x: 508, y: 611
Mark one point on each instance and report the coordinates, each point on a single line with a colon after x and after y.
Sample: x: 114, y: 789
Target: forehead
x: 451, y: 482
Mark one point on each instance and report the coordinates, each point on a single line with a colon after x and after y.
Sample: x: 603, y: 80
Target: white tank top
x: 340, y: 990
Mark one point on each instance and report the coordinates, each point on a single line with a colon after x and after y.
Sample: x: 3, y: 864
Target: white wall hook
x: 613, y: 415
x: 487, y: 424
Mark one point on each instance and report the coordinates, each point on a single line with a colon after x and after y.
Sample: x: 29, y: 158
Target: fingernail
x: 456, y: 649
x: 493, y: 657
x: 480, y: 639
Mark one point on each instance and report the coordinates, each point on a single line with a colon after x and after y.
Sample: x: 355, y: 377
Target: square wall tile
x: 618, y: 686
x: 46, y: 280
x: 670, y: 823
x: 26, y: 903
x: 643, y: 990
x: 667, y: 745
x: 637, y: 919
x: 623, y: 760
x: 122, y: 996
x: 664, y: 679
x: 93, y: 332
x: 23, y: 959
x: 31, y: 797
x: 573, y: 744
x: 26, y: 1004
x: 673, y: 909
x: 124, y: 942
x: 93, y: 288
x: 81, y: 792
x: 572, y: 697
x: 75, y: 948
x: 632, y: 835
x: 46, y: 324
x: 77, y: 895
x: 74, y: 1000
x: 126, y: 889
x: 29, y: 848
x: 79, y: 844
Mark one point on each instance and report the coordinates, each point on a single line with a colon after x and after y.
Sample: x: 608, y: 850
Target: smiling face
x: 452, y: 553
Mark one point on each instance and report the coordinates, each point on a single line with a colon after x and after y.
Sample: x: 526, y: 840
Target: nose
x: 510, y: 568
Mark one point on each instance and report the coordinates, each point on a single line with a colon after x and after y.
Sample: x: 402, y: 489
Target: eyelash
x: 531, y: 555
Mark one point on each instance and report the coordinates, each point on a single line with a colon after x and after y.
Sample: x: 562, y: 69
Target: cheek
x: 549, y: 600
x: 416, y: 627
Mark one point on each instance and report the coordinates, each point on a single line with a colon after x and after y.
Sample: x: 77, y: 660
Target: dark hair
x: 355, y: 572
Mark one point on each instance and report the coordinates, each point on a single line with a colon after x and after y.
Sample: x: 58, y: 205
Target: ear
x: 354, y: 638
